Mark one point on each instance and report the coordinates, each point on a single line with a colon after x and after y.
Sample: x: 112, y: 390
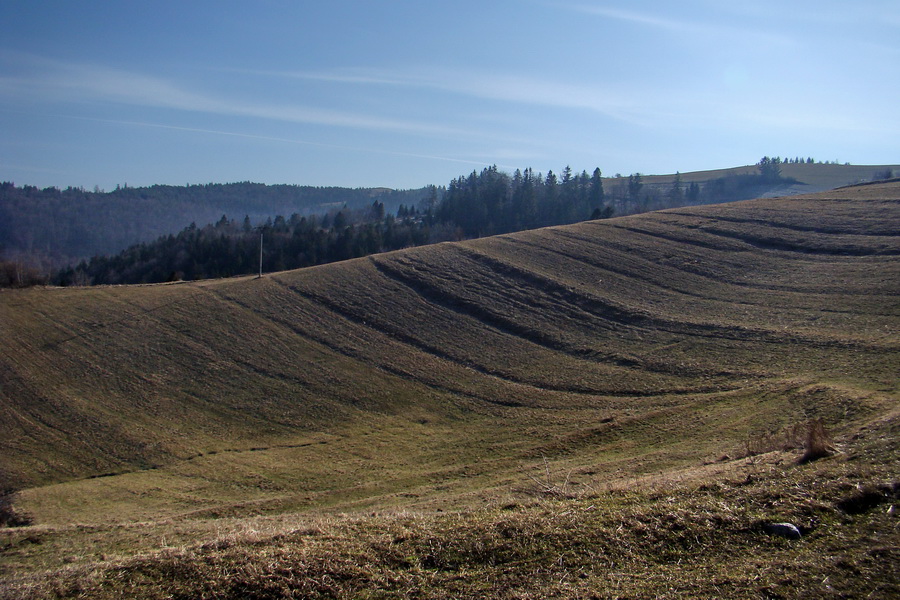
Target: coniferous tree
x: 676, y: 193
x: 634, y: 186
x: 597, y: 196
x: 693, y: 193
x: 769, y: 168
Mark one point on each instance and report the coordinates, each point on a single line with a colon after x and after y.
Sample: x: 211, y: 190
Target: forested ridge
x: 318, y: 225
x: 475, y: 205
x: 230, y: 248
x: 54, y: 227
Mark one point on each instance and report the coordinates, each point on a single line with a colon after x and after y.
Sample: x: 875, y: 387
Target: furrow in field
x: 369, y: 348
x: 685, y: 268
x: 870, y: 229
x: 536, y: 317
x: 846, y: 246
x: 856, y: 214
x: 786, y: 281
x: 530, y: 368
x: 574, y: 304
x: 658, y: 284
x: 517, y: 304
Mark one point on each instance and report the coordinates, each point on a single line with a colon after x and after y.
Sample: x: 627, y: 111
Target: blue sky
x: 409, y: 93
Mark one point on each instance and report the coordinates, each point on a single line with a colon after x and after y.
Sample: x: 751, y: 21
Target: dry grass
x: 705, y: 536
x: 534, y: 415
x: 549, y: 484
x: 785, y: 440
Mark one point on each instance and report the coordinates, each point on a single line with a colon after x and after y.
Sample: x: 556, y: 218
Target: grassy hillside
x: 589, y: 390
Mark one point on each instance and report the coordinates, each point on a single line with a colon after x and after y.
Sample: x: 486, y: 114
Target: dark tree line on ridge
x: 55, y: 227
x: 230, y: 248
x: 479, y: 204
x: 493, y: 202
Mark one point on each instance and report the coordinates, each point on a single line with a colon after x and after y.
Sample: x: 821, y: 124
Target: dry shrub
x: 548, y: 485
x: 818, y: 442
x: 811, y: 436
x: 15, y: 274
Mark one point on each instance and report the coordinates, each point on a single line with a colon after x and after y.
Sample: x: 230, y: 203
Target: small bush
x: 811, y: 436
x: 818, y: 443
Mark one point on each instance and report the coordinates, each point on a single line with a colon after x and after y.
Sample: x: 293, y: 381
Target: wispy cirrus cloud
x: 269, y: 138
x: 619, y: 104
x: 40, y: 79
x: 640, y: 18
x: 722, y: 28
x: 45, y: 79
x: 631, y: 103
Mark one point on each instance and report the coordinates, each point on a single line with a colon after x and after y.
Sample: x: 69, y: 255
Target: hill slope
x: 665, y: 305
x: 564, y: 361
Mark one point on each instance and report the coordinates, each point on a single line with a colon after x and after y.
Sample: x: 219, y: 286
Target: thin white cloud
x: 58, y: 81
x: 619, y: 105
x: 633, y: 104
x: 728, y: 29
x: 337, y: 77
x: 47, y: 79
x: 268, y: 138
x: 637, y: 17
x: 625, y: 105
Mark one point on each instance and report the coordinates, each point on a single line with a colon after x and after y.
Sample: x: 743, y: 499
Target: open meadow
x: 614, y: 408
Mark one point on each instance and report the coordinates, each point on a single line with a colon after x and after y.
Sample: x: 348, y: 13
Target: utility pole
x: 260, y: 253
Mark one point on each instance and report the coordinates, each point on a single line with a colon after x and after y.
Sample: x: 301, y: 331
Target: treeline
x: 229, y: 248
x: 482, y: 203
x: 799, y: 160
x: 476, y: 205
x: 493, y: 202
x: 55, y: 227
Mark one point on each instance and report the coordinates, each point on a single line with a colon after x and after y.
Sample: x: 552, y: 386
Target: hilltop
x: 603, y: 380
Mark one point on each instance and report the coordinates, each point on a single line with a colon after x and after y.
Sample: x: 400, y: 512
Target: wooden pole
x: 260, y: 254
